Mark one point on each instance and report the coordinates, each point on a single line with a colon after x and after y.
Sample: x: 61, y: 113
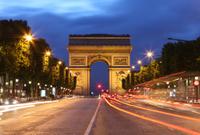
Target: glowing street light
x: 48, y: 53
x: 139, y: 62
x: 7, y: 83
x: 16, y: 80
x: 196, y: 78
x: 66, y: 68
x: 59, y: 62
x: 133, y: 67
x: 28, y: 37
x: 149, y: 54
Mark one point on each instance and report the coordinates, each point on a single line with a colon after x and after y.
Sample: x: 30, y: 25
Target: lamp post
x: 59, y: 77
x: 132, y: 76
x: 16, y: 87
x: 139, y: 62
x: 66, y: 76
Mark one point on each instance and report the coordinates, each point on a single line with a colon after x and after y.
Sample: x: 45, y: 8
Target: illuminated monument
x: 114, y: 50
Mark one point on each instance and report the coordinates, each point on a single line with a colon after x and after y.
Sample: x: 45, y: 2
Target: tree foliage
x: 28, y: 61
x: 176, y: 57
x: 181, y: 56
x: 146, y: 73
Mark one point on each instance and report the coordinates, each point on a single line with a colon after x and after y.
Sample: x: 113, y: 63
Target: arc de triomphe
x: 84, y: 50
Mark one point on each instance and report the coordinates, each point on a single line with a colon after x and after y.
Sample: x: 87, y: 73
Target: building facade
x: 114, y: 50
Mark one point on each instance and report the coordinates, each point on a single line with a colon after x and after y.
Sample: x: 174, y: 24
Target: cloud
x: 70, y: 8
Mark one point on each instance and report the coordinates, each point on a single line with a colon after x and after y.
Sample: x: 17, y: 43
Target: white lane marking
x: 89, y: 128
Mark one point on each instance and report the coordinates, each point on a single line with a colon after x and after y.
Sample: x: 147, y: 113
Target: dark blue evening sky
x: 149, y: 22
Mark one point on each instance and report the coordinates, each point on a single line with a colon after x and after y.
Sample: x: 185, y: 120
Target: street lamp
x: 149, y: 54
x: 133, y: 67
x: 16, y: 80
x: 7, y: 83
x: 139, y: 62
x: 59, y: 62
x: 28, y: 37
x: 29, y: 82
x: 48, y: 53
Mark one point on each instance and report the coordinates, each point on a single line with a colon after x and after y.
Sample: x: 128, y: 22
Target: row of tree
x: 146, y: 73
x: 181, y: 56
x: 29, y: 62
x: 176, y: 57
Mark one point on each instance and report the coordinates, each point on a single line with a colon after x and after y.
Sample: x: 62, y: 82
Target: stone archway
x: 99, y: 57
x: 86, y: 49
x: 99, y: 74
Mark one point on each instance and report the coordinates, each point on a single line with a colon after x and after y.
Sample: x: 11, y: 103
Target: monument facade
x: 84, y: 50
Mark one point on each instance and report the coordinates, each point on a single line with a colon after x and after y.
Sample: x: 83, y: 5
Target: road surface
x: 74, y: 117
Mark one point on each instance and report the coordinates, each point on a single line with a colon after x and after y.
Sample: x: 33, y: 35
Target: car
x: 10, y: 101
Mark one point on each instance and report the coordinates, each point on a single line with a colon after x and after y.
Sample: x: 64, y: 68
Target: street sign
x: 196, y: 83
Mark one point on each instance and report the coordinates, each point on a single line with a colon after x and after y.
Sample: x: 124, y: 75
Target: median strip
x: 89, y: 128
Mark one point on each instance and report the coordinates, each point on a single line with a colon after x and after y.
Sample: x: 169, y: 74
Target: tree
x: 146, y: 73
x: 11, y: 33
x: 180, y: 56
x: 28, y: 61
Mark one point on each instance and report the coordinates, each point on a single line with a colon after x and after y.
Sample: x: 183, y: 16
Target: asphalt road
x: 73, y: 117
x: 61, y: 118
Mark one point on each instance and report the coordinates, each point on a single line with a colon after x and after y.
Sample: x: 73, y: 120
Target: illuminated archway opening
x: 99, y: 79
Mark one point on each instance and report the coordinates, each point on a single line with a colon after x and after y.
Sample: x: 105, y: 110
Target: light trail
x: 157, y: 111
x: 179, y: 104
x: 16, y: 108
x: 9, y: 108
x: 185, y: 130
x: 24, y: 104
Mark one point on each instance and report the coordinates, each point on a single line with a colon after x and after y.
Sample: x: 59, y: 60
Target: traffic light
x: 99, y: 86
